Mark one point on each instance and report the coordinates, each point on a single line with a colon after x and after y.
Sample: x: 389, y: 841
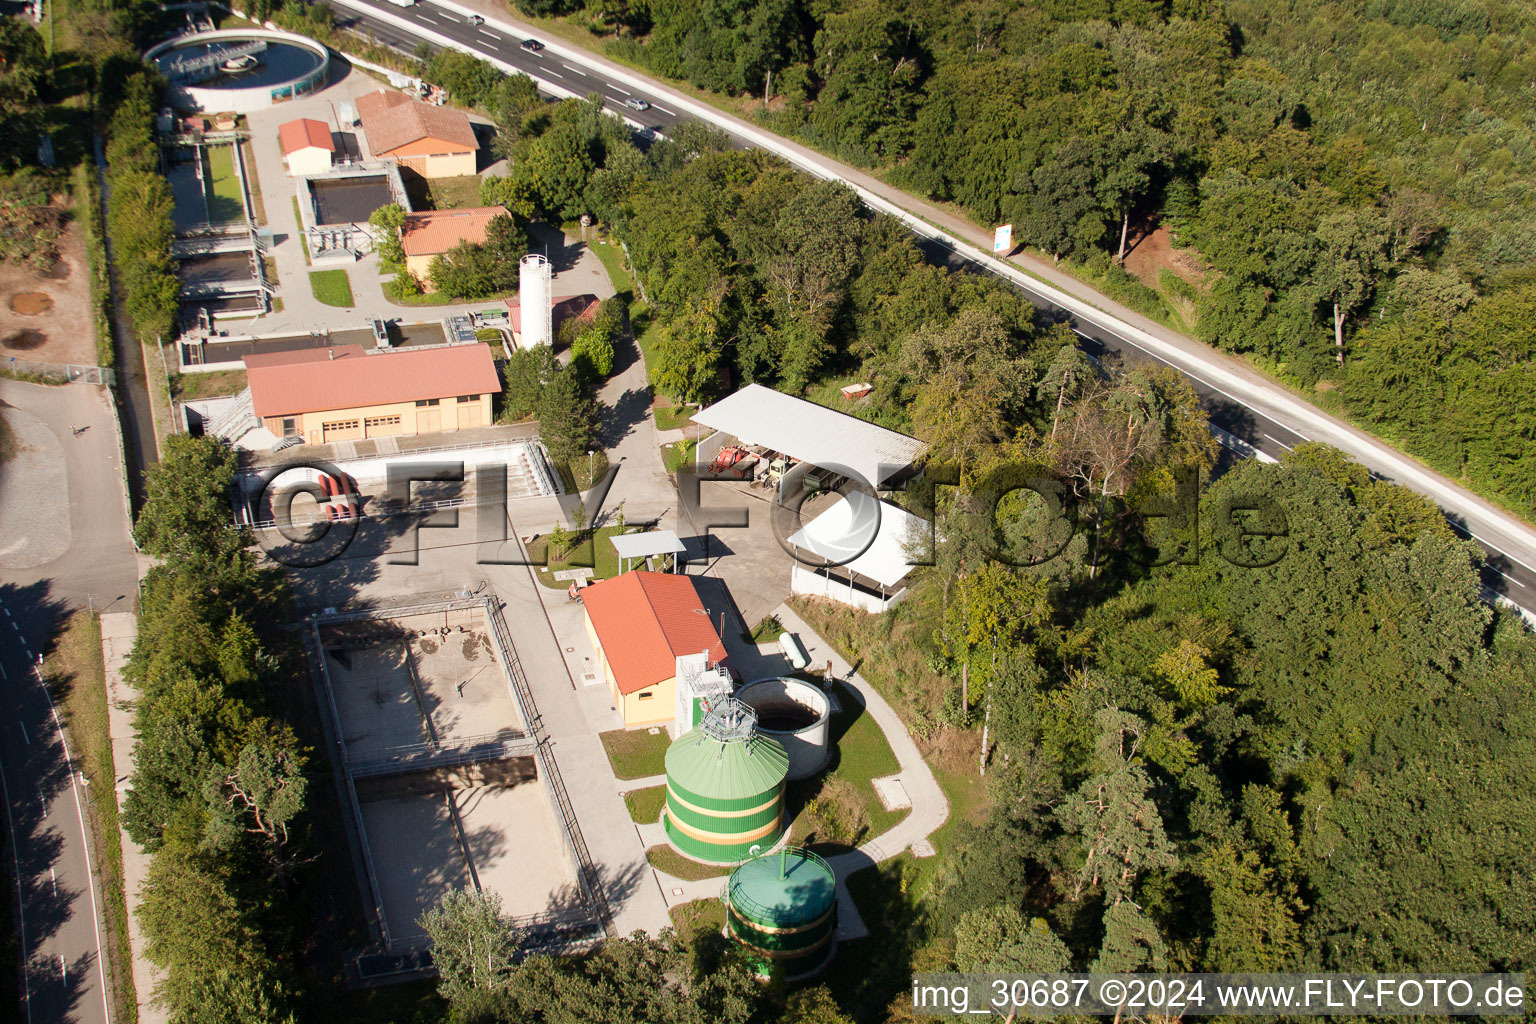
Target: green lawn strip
x: 698, y: 917
x: 636, y: 753
x: 331, y: 287
x: 580, y: 556
x: 226, y: 203
x: 677, y: 455
x: 215, y: 384
x: 299, y: 220
x: 669, y: 861
x: 612, y: 258
x: 672, y: 418
x: 254, y: 182
x: 454, y: 193
x: 76, y: 678
x: 8, y: 445
x: 841, y: 809
x: 767, y: 631
x: 645, y: 804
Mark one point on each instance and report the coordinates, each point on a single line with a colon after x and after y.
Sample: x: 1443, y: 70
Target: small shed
x: 857, y: 552
x: 307, y: 146
x: 631, y: 546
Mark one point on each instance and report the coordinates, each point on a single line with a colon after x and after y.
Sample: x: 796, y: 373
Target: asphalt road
x: 1510, y: 569
x: 44, y: 805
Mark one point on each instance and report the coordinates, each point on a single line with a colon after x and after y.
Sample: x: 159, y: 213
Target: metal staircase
x: 237, y: 419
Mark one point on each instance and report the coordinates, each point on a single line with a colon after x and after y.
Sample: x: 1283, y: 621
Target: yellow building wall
x: 385, y: 420
x: 437, y: 165
x: 418, y: 266
x: 637, y: 711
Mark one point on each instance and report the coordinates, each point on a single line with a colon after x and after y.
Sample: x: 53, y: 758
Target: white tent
x: 813, y: 433
x: 857, y: 552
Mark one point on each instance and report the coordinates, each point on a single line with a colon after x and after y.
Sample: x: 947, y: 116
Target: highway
x: 1258, y: 411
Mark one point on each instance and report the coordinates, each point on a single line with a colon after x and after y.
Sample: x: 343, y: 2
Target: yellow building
x: 639, y: 624
x: 346, y: 394
x: 435, y: 142
x: 428, y: 235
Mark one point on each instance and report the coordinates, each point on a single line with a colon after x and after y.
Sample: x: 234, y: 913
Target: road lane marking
x: 21, y: 905
x: 664, y: 110
x: 23, y: 727
x: 1279, y: 442
x: 3, y: 673
x: 546, y: 71
x: 575, y: 71
x: 1505, y: 576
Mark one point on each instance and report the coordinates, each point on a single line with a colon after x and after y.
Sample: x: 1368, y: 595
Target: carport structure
x: 810, y: 434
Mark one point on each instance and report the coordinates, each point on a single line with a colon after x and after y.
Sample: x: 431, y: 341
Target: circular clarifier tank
x: 797, y: 714
x: 239, y: 70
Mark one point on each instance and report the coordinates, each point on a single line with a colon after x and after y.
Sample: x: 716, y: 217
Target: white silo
x: 535, y: 302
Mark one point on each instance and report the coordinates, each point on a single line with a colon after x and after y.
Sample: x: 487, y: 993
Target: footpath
x: 117, y: 632
x: 930, y: 807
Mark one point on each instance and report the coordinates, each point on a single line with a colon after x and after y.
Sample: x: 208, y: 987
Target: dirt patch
x: 71, y: 295
x: 1152, y: 252
x: 31, y: 303
x: 23, y: 341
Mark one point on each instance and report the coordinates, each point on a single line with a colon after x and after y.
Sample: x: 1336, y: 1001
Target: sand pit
x: 31, y: 303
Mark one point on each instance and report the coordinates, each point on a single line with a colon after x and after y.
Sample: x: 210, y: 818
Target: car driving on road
x: 475, y: 19
x: 634, y: 104
x: 532, y: 45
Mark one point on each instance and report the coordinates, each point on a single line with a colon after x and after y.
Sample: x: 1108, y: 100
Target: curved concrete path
x: 930, y: 807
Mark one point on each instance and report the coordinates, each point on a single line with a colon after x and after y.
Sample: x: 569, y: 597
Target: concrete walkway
x: 118, y: 630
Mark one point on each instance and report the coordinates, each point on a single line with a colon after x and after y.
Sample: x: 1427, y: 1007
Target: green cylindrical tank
x: 725, y: 794
x: 782, y: 907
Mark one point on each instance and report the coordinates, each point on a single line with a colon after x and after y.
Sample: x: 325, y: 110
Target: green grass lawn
x: 254, y: 181
x: 303, y: 239
x: 645, y: 804
x: 698, y: 916
x: 673, y: 417
x: 841, y: 809
x: 767, y: 631
x: 636, y: 753
x: 603, y: 566
x: 226, y: 202
x: 332, y: 287
x: 192, y: 386
x: 668, y: 860
x: 454, y: 193
x: 677, y: 455
x: 612, y: 258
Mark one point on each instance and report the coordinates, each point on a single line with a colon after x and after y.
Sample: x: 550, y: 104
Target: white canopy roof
x: 812, y: 433
x: 841, y: 535
x: 643, y: 545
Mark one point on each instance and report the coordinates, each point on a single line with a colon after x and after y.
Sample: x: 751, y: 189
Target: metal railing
x: 240, y: 414
x: 762, y: 912
x: 587, y: 873
x: 58, y: 373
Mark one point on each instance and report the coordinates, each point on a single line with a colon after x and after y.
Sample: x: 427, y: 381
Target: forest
x: 1347, y: 181
x: 1299, y: 745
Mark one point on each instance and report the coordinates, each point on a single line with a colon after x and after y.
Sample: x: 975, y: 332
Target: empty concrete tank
x: 725, y: 787
x: 782, y: 907
x: 797, y: 714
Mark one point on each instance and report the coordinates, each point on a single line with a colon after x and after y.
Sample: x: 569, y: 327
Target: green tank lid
x: 785, y: 888
x: 701, y: 766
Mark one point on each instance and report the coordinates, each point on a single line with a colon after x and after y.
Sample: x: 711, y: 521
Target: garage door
x: 469, y: 415
x: 380, y: 426
x: 341, y: 430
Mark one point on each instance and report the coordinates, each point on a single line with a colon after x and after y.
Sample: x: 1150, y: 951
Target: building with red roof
x: 345, y: 393
x: 307, y: 146
x: 435, y: 142
x: 429, y: 234
x: 640, y: 623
